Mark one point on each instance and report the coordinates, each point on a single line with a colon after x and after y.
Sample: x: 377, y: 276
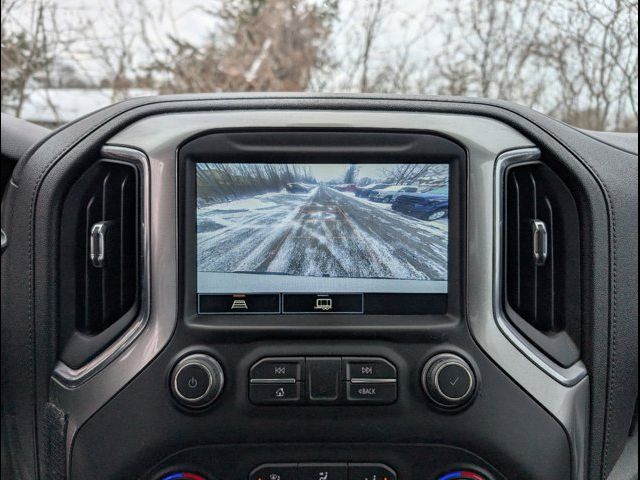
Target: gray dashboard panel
x: 565, y: 394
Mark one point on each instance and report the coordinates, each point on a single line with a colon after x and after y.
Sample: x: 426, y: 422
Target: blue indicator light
x: 451, y: 476
x: 174, y: 476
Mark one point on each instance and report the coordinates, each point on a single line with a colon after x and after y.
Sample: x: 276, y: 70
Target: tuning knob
x: 197, y: 380
x: 448, y: 380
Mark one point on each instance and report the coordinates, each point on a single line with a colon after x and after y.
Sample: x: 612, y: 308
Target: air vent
x: 542, y: 260
x: 100, y: 259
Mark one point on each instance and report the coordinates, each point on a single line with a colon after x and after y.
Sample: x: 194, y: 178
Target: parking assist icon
x: 239, y: 305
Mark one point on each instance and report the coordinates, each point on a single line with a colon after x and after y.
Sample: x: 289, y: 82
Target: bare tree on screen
x: 431, y: 175
x: 351, y: 174
x: 221, y: 182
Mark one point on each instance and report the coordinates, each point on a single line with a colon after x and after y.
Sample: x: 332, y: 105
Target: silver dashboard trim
x: 72, y: 377
x: 373, y: 380
x: 274, y: 381
x: 562, y: 392
x: 81, y: 392
x: 566, y: 376
x: 486, y: 140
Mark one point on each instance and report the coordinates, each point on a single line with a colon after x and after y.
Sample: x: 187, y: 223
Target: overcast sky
x: 326, y: 172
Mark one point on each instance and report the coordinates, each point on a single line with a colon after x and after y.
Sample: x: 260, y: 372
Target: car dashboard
x: 489, y: 337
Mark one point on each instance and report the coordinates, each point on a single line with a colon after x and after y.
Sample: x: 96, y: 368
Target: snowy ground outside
x: 324, y: 233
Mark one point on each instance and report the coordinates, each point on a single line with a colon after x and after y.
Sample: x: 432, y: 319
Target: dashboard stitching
x: 31, y: 315
x: 613, y: 349
x: 31, y: 321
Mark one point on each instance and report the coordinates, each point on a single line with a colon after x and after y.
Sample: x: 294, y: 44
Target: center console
x: 298, y: 324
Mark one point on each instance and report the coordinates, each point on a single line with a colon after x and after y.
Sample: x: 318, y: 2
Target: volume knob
x: 448, y: 380
x: 197, y: 380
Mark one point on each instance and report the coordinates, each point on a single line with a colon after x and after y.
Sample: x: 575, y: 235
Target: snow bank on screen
x: 258, y: 202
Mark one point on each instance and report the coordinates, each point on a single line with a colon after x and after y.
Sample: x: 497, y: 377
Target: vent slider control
x: 540, y: 242
x: 97, y: 251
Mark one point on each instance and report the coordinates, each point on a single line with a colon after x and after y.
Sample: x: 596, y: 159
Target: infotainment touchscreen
x: 319, y: 230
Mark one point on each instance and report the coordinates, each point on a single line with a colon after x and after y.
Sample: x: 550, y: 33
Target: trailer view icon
x: 323, y: 303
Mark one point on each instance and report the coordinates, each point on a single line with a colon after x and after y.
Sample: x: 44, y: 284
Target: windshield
x: 575, y: 60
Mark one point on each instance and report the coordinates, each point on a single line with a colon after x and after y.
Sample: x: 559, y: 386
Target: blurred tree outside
x: 25, y: 53
x: 576, y: 60
x: 261, y: 45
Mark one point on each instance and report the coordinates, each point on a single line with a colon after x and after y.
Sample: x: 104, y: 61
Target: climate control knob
x: 197, y: 380
x: 448, y: 380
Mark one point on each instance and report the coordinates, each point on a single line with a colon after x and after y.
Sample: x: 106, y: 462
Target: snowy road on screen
x: 322, y: 233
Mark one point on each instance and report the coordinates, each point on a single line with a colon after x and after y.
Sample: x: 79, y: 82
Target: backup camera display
x: 309, y: 228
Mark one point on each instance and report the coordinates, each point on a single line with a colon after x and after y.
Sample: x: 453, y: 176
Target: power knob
x: 197, y: 380
x: 448, y: 380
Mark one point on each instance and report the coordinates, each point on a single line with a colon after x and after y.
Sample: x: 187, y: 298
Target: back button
x: 275, y: 471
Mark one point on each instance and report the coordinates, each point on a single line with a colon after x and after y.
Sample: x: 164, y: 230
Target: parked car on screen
x: 346, y: 187
x: 364, y: 192
x: 297, y: 188
x: 389, y: 194
x: 426, y: 205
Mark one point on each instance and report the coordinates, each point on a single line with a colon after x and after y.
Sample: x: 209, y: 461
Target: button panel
x: 323, y: 471
x: 323, y: 381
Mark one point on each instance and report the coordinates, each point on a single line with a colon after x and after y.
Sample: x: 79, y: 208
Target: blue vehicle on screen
x: 428, y: 205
